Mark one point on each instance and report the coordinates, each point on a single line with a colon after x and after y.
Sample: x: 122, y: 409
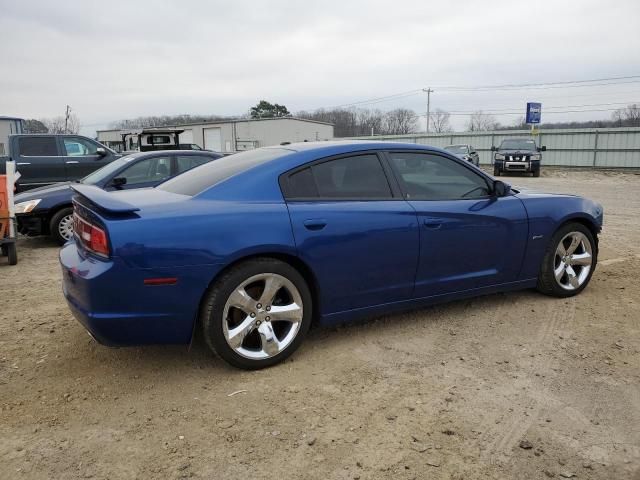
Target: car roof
x: 171, y: 152
x: 349, y: 145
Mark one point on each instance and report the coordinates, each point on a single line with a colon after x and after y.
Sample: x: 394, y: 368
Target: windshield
x: 101, y: 174
x: 518, y: 144
x: 456, y: 149
x: 200, y: 178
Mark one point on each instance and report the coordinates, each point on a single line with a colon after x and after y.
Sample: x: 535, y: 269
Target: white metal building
x: 9, y: 126
x: 235, y: 135
x: 580, y: 147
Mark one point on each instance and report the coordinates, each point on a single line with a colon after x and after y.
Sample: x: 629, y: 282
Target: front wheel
x: 257, y: 314
x: 569, y: 262
x: 61, y: 225
x: 536, y: 173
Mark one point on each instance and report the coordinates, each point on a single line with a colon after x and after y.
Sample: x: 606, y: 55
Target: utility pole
x: 66, y: 119
x: 429, y: 92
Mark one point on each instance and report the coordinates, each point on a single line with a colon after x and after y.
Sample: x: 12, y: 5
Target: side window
x: 432, y: 177
x: 187, y: 162
x: 38, y: 146
x: 77, y: 147
x: 354, y: 177
x: 301, y: 185
x: 154, y: 169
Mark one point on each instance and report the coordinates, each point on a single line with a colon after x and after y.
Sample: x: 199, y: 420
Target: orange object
x: 4, y: 207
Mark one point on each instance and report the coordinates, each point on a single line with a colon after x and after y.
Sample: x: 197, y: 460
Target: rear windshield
x: 456, y: 148
x: 200, y: 178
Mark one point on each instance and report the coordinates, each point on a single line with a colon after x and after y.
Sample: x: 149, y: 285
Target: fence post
x: 595, y: 150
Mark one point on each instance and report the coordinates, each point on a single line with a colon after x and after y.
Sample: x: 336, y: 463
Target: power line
x: 462, y: 114
x: 594, y: 82
x: 563, y: 84
x: 547, y: 108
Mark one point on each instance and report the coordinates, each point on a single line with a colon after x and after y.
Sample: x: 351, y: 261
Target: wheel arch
x: 293, y: 260
x: 587, y: 222
x: 51, y: 213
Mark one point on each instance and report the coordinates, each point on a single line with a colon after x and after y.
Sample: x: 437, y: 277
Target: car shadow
x: 180, y: 359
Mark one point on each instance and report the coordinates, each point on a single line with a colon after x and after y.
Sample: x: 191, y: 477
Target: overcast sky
x: 111, y: 59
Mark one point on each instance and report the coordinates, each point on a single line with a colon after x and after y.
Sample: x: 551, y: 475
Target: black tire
x: 12, y: 253
x: 496, y: 172
x: 536, y: 173
x: 54, y: 224
x: 211, y: 312
x: 547, y: 283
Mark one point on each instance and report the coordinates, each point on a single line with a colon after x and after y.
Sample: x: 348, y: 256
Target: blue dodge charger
x: 254, y: 247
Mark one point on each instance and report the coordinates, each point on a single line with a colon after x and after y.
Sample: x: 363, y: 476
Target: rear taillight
x: 93, y: 238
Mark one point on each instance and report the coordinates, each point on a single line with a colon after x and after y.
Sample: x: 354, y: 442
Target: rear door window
x: 358, y: 177
x: 38, y: 146
x: 150, y: 170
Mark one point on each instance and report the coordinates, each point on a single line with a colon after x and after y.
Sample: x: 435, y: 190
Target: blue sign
x: 534, y: 112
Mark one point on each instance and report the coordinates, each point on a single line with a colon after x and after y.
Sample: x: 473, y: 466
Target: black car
x: 48, y: 210
x: 517, y: 155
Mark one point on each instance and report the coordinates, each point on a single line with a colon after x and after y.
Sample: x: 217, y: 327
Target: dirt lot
x: 506, y: 386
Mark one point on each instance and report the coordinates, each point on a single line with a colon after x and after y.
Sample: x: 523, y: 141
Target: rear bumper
x: 110, y: 300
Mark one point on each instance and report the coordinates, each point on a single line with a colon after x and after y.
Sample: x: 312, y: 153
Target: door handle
x: 432, y: 224
x: 315, y: 224
x: 72, y: 161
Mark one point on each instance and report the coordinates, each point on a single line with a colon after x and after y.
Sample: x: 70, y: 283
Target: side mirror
x: 500, y: 189
x: 101, y: 152
x: 493, y: 148
x: 543, y: 148
x: 118, y: 182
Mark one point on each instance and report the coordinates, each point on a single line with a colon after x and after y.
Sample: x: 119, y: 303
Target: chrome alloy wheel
x: 262, y: 316
x: 573, y: 260
x: 65, y: 227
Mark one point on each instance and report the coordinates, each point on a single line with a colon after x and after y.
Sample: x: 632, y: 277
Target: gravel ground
x: 511, y: 385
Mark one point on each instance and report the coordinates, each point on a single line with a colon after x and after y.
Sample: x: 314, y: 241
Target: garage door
x: 186, y: 137
x: 213, y: 139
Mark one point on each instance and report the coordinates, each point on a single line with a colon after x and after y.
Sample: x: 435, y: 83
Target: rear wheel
x: 257, y: 314
x: 61, y: 225
x: 496, y: 171
x: 569, y: 262
x: 12, y: 253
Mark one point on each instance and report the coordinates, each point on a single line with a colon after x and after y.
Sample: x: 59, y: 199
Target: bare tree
x: 440, y: 121
x: 481, y: 122
x: 400, y: 121
x: 520, y: 123
x: 370, y: 122
x: 164, y: 121
x: 56, y: 125
x: 628, y: 116
x: 32, y: 125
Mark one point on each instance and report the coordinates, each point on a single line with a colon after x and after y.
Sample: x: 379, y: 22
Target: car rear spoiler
x: 104, y: 200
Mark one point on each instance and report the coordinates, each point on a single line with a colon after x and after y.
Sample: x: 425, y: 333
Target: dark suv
x: 46, y: 159
x: 517, y: 155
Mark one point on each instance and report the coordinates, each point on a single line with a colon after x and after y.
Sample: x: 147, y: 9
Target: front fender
x: 546, y: 214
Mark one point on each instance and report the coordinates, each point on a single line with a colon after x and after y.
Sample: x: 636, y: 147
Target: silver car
x: 465, y: 152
